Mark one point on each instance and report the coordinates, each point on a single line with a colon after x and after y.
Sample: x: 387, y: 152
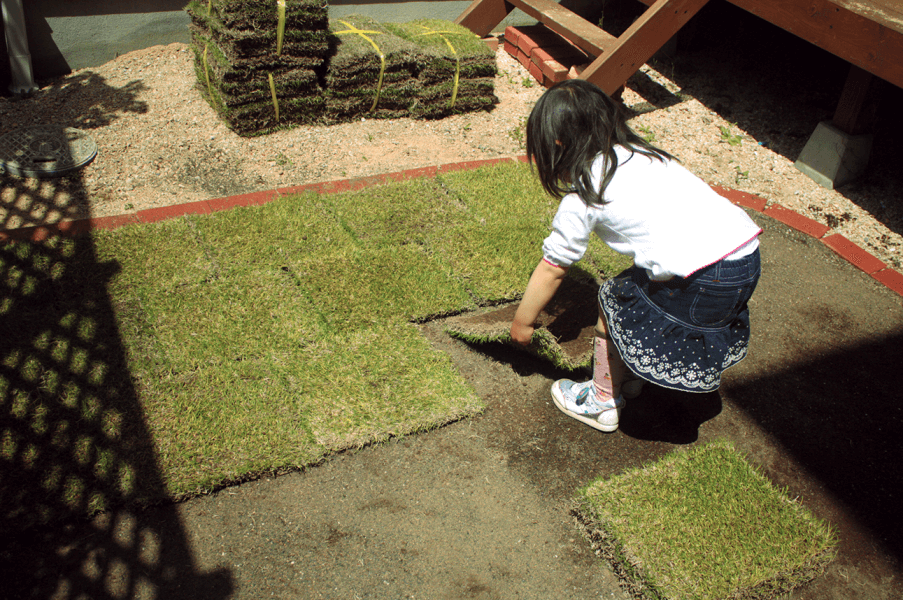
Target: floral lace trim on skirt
x: 664, y: 350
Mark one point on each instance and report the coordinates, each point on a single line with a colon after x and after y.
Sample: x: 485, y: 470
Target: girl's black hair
x: 571, y: 124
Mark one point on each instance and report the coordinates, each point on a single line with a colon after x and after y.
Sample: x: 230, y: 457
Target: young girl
x: 679, y: 316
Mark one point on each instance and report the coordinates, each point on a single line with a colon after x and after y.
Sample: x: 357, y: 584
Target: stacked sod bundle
x: 265, y: 65
x: 257, y: 60
x: 458, y: 69
x: 371, y: 73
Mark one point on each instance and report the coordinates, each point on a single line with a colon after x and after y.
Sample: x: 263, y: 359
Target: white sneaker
x: 578, y: 400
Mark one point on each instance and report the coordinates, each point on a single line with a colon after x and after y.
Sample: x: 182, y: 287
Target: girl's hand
x: 522, y: 334
x: 542, y: 286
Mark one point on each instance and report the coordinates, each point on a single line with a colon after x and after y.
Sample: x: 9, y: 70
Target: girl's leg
x: 609, y: 370
x: 598, y: 402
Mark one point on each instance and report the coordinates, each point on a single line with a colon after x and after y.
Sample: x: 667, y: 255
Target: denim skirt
x: 682, y: 333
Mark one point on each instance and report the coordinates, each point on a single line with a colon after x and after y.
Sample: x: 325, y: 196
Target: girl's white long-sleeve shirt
x: 668, y: 220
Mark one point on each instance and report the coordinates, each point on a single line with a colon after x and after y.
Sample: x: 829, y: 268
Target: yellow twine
x: 382, y: 57
x: 454, y: 53
x: 209, y: 7
x: 273, y: 93
x: 280, y: 36
x: 207, y: 72
x: 280, y: 31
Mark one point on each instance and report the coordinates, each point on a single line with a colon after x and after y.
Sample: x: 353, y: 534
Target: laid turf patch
x: 166, y: 253
x: 382, y: 382
x: 166, y: 359
x: 218, y: 424
x: 397, y: 214
x: 497, y: 249
x: 232, y: 319
x: 364, y: 288
x: 268, y: 236
x: 703, y: 524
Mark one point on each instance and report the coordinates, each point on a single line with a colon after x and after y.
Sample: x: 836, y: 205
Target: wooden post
x: 857, y: 106
x: 482, y: 15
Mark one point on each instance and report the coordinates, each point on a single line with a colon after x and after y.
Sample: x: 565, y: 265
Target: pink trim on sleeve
x: 546, y: 260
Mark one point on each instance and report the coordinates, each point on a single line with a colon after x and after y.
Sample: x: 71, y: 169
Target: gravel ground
x: 159, y: 143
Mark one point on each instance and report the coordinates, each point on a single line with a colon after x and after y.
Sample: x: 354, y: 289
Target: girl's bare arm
x: 542, y: 287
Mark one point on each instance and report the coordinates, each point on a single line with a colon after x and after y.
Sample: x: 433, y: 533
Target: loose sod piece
x: 564, y: 332
x: 703, y: 524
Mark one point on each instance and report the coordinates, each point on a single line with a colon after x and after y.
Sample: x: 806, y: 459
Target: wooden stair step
x: 589, y: 37
x: 616, y: 59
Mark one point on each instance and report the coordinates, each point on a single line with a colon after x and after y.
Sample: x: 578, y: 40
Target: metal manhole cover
x: 45, y: 151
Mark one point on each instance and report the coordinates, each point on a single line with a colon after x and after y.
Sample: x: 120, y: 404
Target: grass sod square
x: 395, y: 214
x: 506, y: 192
x: 268, y: 236
x: 511, y: 192
x: 232, y: 319
x: 363, y: 288
x: 497, y: 250
x: 370, y: 384
x: 218, y: 424
x: 166, y: 253
x: 703, y: 524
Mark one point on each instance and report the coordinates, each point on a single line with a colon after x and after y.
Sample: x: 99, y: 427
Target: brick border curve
x: 855, y: 255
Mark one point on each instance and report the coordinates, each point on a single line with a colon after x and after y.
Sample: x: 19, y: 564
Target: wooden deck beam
x: 643, y: 38
x: 873, y: 43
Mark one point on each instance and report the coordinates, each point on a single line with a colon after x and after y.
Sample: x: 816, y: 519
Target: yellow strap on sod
x: 382, y: 57
x: 442, y: 35
x: 209, y: 7
x: 280, y: 30
x: 273, y: 94
x: 280, y: 36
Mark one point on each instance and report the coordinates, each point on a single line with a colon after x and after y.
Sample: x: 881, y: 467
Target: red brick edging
x: 855, y: 255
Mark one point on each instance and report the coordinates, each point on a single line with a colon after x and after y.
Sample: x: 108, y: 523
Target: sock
x: 601, y: 370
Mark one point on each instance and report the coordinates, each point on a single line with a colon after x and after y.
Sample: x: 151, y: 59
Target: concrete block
x: 833, y: 157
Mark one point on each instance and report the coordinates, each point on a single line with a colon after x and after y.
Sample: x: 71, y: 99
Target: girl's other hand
x: 522, y: 334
